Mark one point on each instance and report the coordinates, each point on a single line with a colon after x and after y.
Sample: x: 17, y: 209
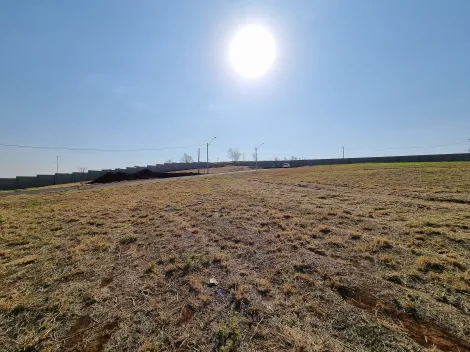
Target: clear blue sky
x: 369, y: 75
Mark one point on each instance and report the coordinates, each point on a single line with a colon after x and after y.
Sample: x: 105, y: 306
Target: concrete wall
x: 7, y: 184
x: 60, y: 179
x: 79, y: 176
x: 26, y: 182
x: 159, y: 168
x: 93, y: 174
x: 21, y: 182
x: 46, y: 180
x: 131, y: 170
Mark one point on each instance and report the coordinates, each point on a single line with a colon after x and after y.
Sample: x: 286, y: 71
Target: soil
x: 140, y: 175
x: 424, y: 333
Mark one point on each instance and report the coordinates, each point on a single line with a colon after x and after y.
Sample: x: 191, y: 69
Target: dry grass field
x: 328, y: 258
x: 220, y: 170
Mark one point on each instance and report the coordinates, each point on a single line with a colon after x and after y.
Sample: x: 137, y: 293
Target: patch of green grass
x: 226, y: 337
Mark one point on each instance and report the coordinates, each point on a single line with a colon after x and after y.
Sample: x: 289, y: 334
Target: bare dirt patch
x: 426, y: 334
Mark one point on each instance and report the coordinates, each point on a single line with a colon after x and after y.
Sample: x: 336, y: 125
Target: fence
x: 21, y: 182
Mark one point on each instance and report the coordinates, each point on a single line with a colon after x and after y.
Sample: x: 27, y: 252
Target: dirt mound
x: 140, y: 175
x: 111, y: 177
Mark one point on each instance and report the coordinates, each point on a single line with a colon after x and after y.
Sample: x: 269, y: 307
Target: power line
x: 199, y: 145
x: 96, y: 149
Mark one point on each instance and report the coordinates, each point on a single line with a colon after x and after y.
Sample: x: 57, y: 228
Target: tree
x: 186, y: 158
x: 294, y: 158
x: 234, y: 154
x: 82, y: 170
x: 276, y: 158
x: 169, y: 161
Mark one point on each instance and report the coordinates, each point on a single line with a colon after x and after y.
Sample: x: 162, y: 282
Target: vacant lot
x: 334, y: 258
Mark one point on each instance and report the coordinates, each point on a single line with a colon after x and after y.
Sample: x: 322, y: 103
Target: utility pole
x: 198, y: 160
x: 343, y: 151
x: 57, y: 171
x: 207, y: 156
x: 256, y: 155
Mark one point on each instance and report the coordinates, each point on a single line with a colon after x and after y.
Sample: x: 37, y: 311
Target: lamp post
x: 207, y: 150
x: 256, y: 154
x: 343, y: 151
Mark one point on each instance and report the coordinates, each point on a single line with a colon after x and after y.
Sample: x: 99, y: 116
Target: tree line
x: 233, y: 154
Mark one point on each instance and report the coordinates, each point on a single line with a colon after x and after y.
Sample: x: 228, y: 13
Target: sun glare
x: 252, y: 51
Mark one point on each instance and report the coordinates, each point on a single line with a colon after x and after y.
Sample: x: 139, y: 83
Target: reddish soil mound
x: 426, y: 334
x: 141, y: 175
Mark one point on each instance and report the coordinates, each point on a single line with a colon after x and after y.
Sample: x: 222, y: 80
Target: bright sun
x: 252, y: 51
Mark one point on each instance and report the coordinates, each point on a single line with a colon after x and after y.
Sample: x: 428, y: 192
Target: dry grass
x: 62, y: 185
x: 220, y: 170
x: 334, y: 258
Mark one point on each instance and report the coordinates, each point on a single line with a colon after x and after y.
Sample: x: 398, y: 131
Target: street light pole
x: 207, y: 156
x: 198, y: 160
x: 343, y: 151
x: 256, y: 155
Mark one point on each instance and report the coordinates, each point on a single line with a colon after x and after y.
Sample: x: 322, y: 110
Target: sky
x: 389, y: 77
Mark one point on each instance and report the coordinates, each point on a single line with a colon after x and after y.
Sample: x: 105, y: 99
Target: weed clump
x: 242, y: 295
x: 263, y: 286
x: 226, y: 337
x: 150, y: 268
x: 128, y: 239
x: 382, y: 244
x: 426, y: 264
